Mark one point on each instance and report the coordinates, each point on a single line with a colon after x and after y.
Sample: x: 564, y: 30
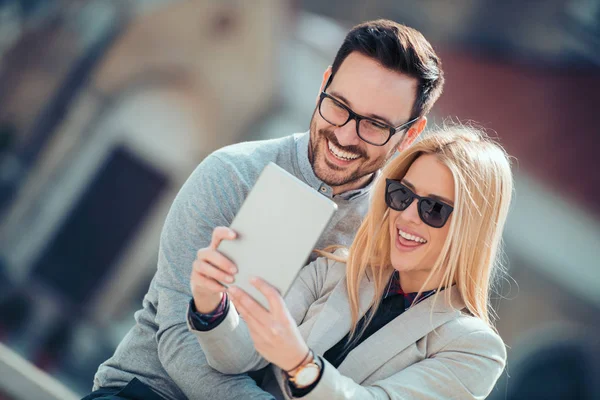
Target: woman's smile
x: 408, y: 241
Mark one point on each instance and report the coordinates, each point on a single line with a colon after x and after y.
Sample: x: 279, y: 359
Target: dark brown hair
x: 398, y: 48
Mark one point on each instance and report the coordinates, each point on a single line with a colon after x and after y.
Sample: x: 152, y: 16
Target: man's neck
x: 357, y: 184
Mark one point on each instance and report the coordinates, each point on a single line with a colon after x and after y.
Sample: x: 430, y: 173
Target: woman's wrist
x: 306, y: 376
x: 307, y: 359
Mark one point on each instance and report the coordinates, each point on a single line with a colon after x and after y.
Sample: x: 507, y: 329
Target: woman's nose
x: 411, y: 214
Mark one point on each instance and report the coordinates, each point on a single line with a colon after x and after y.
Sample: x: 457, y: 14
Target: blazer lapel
x: 334, y: 321
x: 398, y: 334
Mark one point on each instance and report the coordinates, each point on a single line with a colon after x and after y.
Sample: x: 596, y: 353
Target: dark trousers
x: 135, y: 390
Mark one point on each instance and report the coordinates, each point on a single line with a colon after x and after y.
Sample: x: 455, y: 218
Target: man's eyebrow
x: 349, y: 104
x: 433, y: 196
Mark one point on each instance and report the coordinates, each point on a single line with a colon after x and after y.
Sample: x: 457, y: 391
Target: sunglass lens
x: 433, y: 213
x: 398, y: 196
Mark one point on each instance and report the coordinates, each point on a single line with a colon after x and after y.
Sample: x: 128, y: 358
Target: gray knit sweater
x: 159, y: 350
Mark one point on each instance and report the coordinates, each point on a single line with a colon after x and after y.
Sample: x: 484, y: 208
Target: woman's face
x: 415, y: 258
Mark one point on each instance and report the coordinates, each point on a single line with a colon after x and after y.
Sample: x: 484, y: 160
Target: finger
x: 252, y: 306
x: 207, y: 284
x: 210, y: 271
x: 217, y: 259
x: 276, y: 303
x: 220, y: 233
x: 256, y: 328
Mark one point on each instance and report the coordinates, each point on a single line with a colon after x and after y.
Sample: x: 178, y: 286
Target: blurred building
x: 107, y: 106
x: 106, y: 109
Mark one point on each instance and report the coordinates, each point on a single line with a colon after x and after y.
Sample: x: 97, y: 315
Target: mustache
x: 329, y: 135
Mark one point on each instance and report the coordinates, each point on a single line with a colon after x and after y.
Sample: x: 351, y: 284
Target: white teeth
x: 408, y: 236
x: 344, y: 155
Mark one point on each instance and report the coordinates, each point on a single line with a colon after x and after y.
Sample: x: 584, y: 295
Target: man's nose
x: 347, y: 135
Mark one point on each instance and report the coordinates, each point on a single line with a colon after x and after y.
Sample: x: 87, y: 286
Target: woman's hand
x: 275, y: 334
x: 209, y: 269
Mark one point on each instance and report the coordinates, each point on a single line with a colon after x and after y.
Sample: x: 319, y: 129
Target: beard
x: 335, y: 175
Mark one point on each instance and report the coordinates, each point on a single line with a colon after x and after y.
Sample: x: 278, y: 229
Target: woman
x: 404, y: 312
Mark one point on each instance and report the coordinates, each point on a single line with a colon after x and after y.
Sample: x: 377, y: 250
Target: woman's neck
x: 412, y: 281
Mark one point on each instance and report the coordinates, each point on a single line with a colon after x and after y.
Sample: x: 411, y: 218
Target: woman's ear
x: 412, y: 134
x: 326, y: 76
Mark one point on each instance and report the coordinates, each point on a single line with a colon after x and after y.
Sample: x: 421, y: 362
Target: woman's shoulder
x: 330, y: 260
x: 467, y: 332
x: 333, y: 263
x: 326, y: 271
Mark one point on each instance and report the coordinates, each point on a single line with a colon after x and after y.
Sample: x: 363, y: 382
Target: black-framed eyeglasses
x: 433, y: 212
x: 368, y: 129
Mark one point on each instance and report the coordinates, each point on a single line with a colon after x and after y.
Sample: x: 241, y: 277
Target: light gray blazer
x: 431, y: 351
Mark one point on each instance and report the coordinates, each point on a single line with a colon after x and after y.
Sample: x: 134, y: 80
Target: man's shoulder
x: 249, y: 158
x: 232, y: 170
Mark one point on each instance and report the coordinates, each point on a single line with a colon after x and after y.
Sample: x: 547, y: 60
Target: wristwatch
x: 306, y: 374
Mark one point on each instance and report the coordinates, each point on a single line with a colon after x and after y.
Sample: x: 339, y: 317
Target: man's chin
x: 334, y: 167
x: 332, y: 175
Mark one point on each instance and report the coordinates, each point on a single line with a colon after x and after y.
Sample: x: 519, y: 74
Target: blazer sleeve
x: 466, y: 368
x: 229, y: 348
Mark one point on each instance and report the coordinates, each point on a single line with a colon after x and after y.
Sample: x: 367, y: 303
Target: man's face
x: 338, y: 156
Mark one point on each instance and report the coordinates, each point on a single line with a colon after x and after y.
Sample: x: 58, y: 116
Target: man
x: 384, y: 80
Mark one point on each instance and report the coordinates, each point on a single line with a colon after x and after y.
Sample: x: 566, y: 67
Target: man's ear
x: 412, y: 134
x: 326, y: 76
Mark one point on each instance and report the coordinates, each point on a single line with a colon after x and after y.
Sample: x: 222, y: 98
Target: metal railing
x: 21, y: 380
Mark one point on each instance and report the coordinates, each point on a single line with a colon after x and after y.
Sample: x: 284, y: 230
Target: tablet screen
x: 278, y: 226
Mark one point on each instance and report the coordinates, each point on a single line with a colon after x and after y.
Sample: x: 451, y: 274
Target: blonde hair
x: 470, y: 255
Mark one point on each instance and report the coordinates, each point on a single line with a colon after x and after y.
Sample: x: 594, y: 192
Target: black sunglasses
x: 433, y: 212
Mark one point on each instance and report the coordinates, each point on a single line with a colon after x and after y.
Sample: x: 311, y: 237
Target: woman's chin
x: 402, y: 266
x: 404, y: 263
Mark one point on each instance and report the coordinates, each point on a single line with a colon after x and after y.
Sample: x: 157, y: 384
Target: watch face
x: 307, y: 375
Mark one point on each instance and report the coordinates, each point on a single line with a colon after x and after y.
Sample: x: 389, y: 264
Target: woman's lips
x: 405, y: 244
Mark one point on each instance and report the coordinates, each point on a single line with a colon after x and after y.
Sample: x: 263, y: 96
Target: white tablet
x: 278, y: 226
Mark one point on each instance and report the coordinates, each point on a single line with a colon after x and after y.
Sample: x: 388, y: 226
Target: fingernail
x: 229, y: 279
x: 233, y: 270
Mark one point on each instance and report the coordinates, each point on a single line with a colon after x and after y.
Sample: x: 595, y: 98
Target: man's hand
x: 209, y: 269
x: 274, y: 332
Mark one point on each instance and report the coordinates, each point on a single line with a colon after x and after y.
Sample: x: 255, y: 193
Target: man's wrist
x: 206, y: 322
x: 207, y: 305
